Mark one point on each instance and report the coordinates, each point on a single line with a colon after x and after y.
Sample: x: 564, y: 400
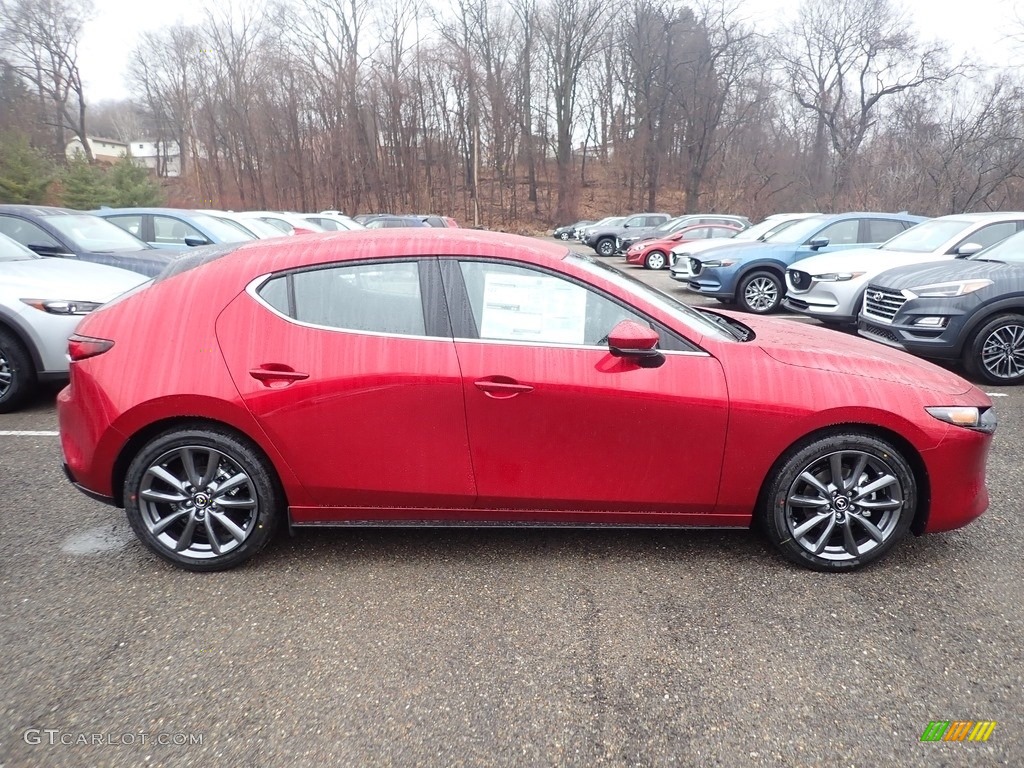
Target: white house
x: 103, y: 150
x: 164, y: 157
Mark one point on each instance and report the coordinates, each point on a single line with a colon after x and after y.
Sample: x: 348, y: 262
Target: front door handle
x: 502, y: 388
x: 272, y: 374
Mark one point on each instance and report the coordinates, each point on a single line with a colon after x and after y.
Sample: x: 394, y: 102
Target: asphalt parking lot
x: 499, y: 647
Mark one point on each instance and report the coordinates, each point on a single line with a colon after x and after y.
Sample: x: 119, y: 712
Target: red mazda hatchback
x: 447, y: 377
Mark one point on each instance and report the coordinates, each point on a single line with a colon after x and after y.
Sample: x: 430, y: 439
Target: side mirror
x: 968, y: 249
x: 193, y: 241
x: 818, y: 242
x: 637, y: 342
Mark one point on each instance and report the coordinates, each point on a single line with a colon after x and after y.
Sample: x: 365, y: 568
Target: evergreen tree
x: 85, y: 186
x: 131, y: 186
x: 25, y: 174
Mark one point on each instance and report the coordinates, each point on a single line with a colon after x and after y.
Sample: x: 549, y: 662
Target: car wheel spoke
x: 236, y: 503
x: 858, y: 471
x: 836, y: 465
x: 878, y: 506
x: 849, y: 543
x: 161, y: 473
x: 168, y: 521
x: 811, y: 524
x: 210, y: 535
x: 870, y: 527
x: 163, y: 498
x: 819, y: 545
x: 883, y: 482
x: 186, y: 535
x: 808, y: 501
x: 229, y: 485
x: 811, y: 480
x: 237, y: 533
x: 188, y: 463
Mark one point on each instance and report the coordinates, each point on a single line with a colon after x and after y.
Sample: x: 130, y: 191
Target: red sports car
x: 449, y: 377
x: 653, y: 254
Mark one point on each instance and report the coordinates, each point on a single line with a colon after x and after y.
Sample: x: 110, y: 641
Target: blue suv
x: 753, y: 275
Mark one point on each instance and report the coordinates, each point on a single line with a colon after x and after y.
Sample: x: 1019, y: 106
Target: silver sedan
x: 41, y: 302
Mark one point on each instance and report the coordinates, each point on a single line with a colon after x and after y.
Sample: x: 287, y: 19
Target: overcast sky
x: 976, y: 28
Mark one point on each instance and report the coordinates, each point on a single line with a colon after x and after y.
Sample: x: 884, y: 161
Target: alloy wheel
x: 655, y: 260
x: 6, y: 374
x: 198, y: 502
x: 1002, y: 353
x: 761, y: 294
x: 844, y: 504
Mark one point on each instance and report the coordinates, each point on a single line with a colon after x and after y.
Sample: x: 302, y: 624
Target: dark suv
x: 602, y: 238
x: 968, y: 309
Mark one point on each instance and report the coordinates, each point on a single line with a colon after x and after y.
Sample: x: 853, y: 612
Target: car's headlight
x: 63, y: 307
x: 948, y: 290
x: 837, y: 277
x: 968, y: 416
x: 719, y: 263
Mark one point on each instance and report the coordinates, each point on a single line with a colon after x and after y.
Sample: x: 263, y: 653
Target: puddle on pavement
x: 96, y: 541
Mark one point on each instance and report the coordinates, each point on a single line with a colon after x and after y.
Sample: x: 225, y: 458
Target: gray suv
x: 602, y: 237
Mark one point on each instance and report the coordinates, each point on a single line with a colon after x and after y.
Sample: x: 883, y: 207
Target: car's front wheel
x: 203, y: 499
x: 17, y: 374
x: 760, y: 292
x: 996, y: 353
x: 563, y: 235
x: 840, y: 502
x: 605, y: 246
x: 655, y: 260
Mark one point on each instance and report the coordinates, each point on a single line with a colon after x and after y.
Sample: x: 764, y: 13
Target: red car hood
x: 808, y: 346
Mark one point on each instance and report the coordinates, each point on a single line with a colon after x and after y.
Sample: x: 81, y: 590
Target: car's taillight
x: 82, y: 347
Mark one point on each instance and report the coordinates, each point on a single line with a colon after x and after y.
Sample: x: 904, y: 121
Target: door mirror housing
x: 968, y: 249
x: 818, y: 243
x: 193, y: 241
x: 637, y: 342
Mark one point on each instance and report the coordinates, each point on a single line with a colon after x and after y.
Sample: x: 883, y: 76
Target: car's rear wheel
x: 655, y: 260
x: 760, y: 292
x: 996, y: 353
x: 605, y: 246
x: 840, y: 502
x: 203, y: 499
x: 17, y: 374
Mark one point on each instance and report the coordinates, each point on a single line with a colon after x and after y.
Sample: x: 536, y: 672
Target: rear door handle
x: 274, y: 373
x: 502, y: 389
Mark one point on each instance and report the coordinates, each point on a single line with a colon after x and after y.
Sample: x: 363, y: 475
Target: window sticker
x: 533, y: 308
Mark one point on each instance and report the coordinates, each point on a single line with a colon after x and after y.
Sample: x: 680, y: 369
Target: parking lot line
x: 28, y: 433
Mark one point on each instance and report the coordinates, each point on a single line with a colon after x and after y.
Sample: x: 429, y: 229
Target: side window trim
x: 464, y: 326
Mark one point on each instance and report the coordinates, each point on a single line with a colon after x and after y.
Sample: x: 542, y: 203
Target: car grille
x: 801, y: 281
x: 883, y: 303
x: 879, y: 333
x: 695, y: 266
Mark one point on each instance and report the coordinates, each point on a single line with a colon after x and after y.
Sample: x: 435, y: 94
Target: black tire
x: 17, y: 373
x: 658, y: 262
x: 782, y: 520
x: 605, y: 246
x: 754, y: 294
x: 995, y: 353
x: 151, y: 519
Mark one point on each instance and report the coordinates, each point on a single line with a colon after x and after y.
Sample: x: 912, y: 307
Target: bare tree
x: 842, y: 60
x: 41, y: 38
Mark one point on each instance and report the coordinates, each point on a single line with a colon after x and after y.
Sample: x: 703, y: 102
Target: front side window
x: 173, y: 231
x: 511, y: 303
x: 379, y: 298
x: 25, y: 232
x: 992, y: 234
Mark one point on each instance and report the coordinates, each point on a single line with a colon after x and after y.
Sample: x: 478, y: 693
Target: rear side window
x: 880, y: 230
x: 379, y: 298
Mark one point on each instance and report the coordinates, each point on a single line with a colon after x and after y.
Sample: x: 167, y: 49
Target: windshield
x: 259, y: 228
x: 91, y: 233
x: 225, y: 231
x: 927, y: 237
x: 11, y: 250
x: 800, y: 230
x: 609, y: 221
x: 670, y: 226
x: 1010, y: 251
x: 766, y: 230
x: 669, y: 304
